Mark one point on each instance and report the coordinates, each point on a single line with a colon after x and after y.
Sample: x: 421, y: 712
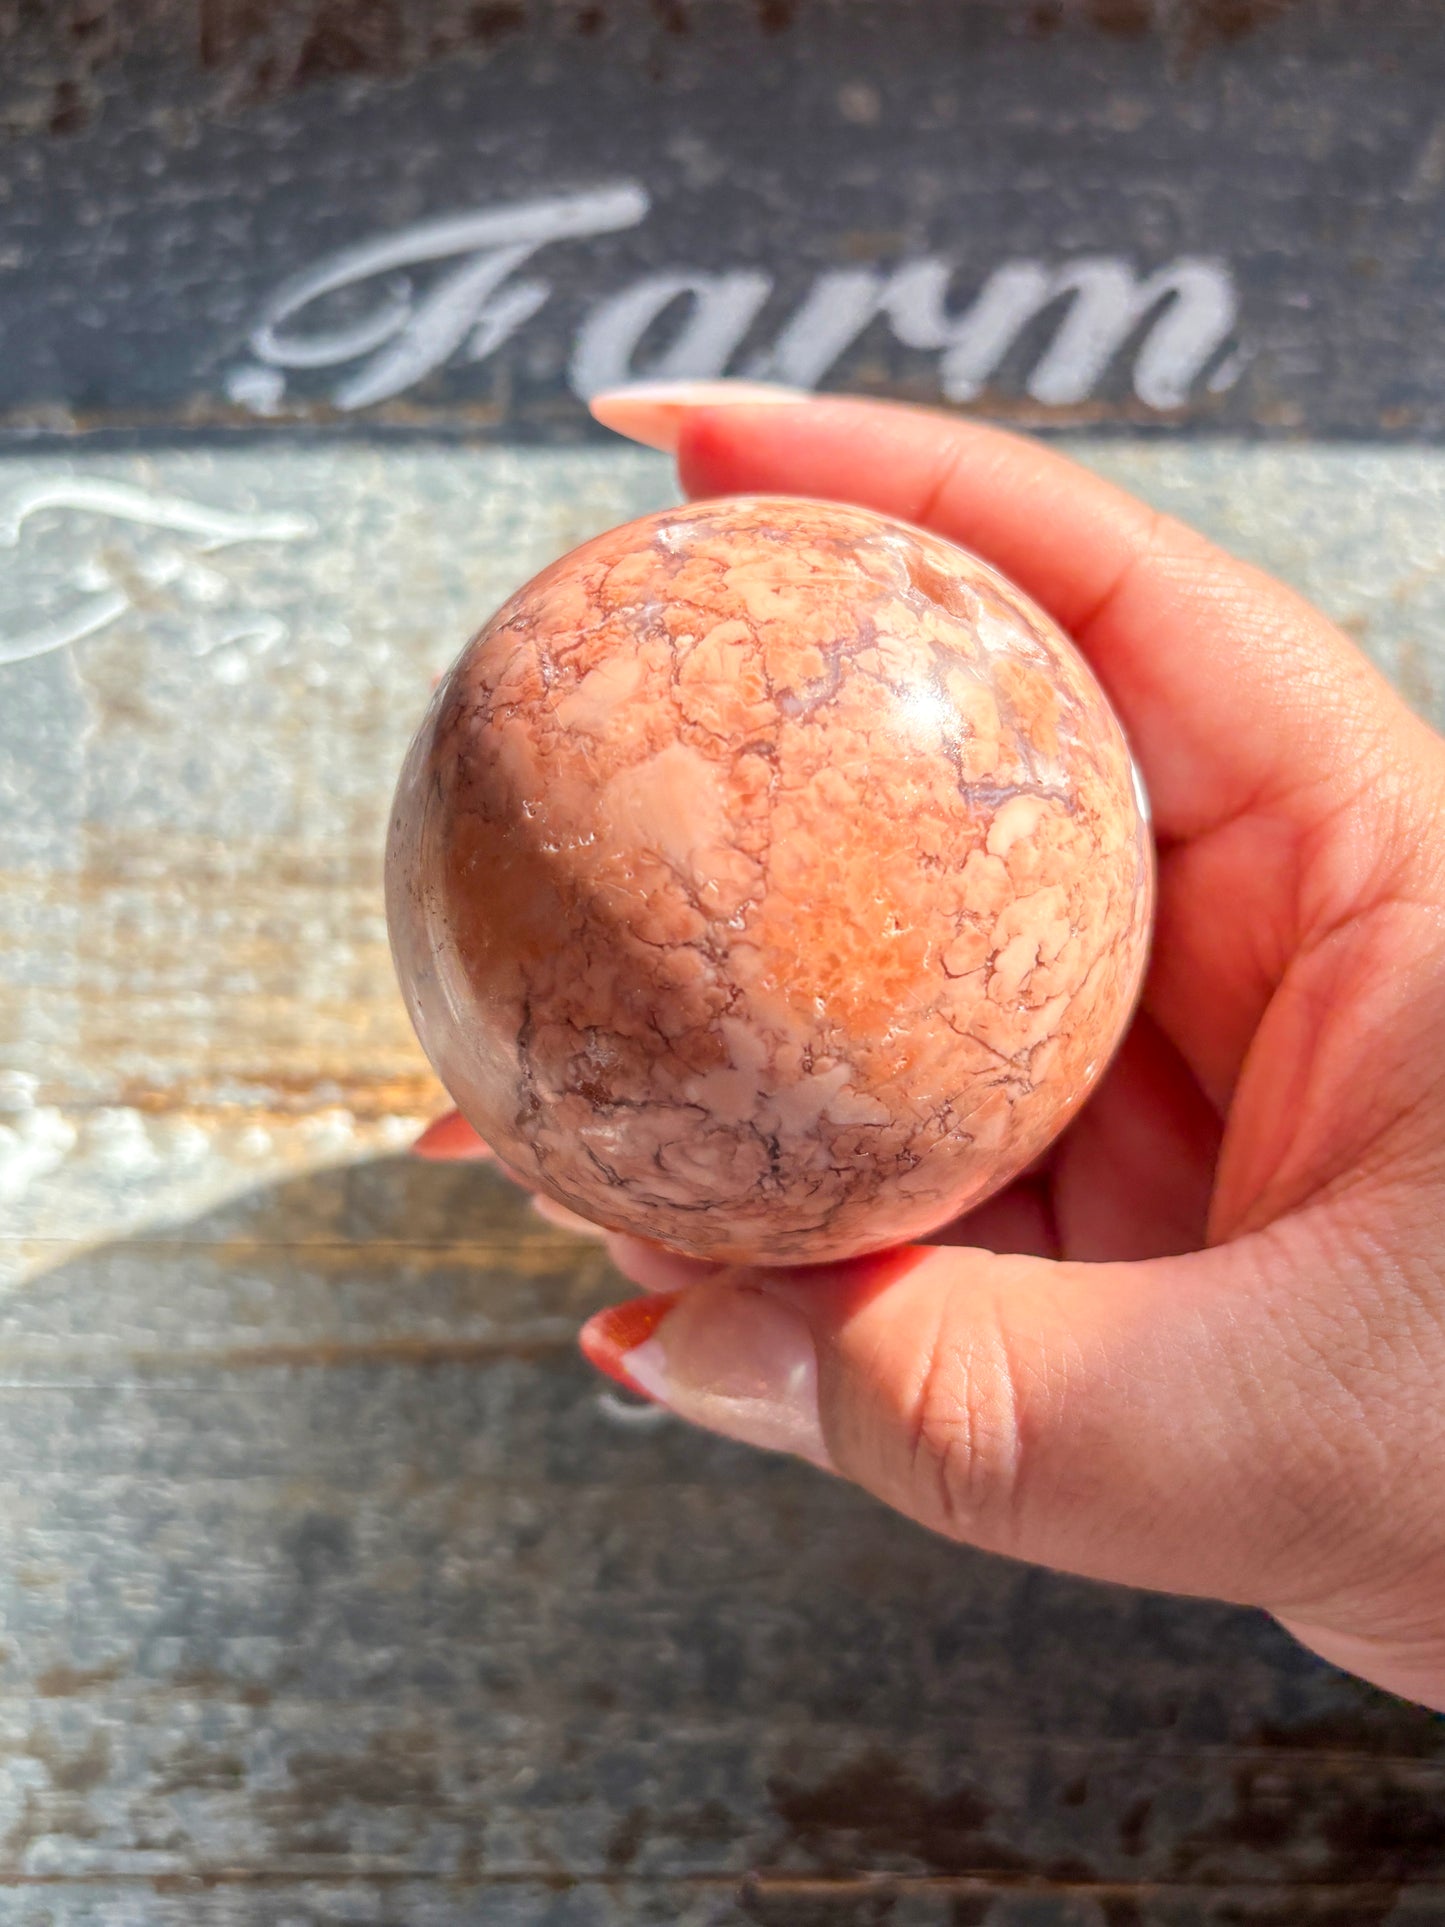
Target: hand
x: 1202, y: 1348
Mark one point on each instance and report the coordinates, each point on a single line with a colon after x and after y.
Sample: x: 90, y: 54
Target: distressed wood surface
x: 332, y: 1587
x: 251, y: 215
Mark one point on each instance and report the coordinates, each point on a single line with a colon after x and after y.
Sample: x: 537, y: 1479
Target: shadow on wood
x: 335, y: 1588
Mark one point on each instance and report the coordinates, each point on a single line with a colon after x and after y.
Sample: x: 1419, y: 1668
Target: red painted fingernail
x: 450, y: 1137
x: 732, y: 1359
x: 612, y: 1334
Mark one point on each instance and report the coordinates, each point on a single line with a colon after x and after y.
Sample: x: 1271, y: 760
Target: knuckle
x: 966, y: 1434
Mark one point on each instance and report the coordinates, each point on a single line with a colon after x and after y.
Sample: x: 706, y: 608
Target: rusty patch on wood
x: 1389, y: 1834
x: 260, y: 50
x: 1401, y: 1732
x: 280, y: 1097
x: 1231, y: 20
x: 873, y: 1810
x: 72, y: 1772
x: 627, y: 1839
x: 66, y: 1682
x: 204, y: 1682
x: 1190, y: 24
x: 42, y: 1818
x: 197, y: 1768
x: 1124, y: 19
x: 397, y: 1771
x: 1367, y: 1843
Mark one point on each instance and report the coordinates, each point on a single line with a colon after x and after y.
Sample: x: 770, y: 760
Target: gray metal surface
x: 454, y: 217
x: 332, y: 1587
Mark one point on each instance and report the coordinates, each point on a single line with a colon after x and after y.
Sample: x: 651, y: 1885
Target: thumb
x: 1131, y: 1422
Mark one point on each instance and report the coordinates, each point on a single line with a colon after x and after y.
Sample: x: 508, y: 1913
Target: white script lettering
x: 720, y: 310
x: 1177, y: 318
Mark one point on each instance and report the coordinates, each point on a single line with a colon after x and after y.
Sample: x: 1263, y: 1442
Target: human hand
x: 1199, y: 1348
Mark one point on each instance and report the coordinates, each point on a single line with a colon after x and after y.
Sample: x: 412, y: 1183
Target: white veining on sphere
x: 1181, y: 315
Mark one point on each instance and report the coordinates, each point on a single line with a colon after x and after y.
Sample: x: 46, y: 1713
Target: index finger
x: 1236, y: 694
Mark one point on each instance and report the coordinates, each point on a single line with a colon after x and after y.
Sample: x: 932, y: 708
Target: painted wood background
x: 455, y: 216
x: 333, y: 1588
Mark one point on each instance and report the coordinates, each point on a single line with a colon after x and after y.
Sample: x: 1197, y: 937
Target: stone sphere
x: 770, y: 879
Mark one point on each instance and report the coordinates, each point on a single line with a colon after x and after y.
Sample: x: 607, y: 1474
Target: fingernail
x: 450, y: 1137
x: 729, y: 1358
x: 607, y: 1338
x: 652, y: 412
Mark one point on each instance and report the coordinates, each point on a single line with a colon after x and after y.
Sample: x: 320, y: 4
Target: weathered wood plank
x: 806, y: 170
x: 195, y: 993
x: 331, y: 1586
x: 455, y: 1623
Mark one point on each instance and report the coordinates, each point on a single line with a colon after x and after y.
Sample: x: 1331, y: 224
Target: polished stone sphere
x: 770, y: 879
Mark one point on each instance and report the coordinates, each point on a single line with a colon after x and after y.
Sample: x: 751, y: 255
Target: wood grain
x: 332, y: 1588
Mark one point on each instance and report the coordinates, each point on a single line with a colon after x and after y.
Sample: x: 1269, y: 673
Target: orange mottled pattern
x: 769, y: 879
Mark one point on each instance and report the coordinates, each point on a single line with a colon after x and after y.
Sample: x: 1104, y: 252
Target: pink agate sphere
x: 770, y: 879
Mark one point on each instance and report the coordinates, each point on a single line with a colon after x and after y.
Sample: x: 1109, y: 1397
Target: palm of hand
x: 1264, y: 1063
x: 1198, y: 1348
x: 1256, y: 1419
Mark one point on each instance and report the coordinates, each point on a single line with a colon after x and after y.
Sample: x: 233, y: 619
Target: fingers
x: 1020, y: 1219
x: 550, y: 1212
x: 1130, y: 1178
x: 1292, y: 790
x: 738, y: 1363
x: 1136, y: 1423
x: 450, y: 1138
x: 1232, y: 689
x: 655, y: 412
x: 1133, y: 1175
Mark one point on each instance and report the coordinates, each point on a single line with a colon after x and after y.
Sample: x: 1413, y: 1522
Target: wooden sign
x: 1211, y: 214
